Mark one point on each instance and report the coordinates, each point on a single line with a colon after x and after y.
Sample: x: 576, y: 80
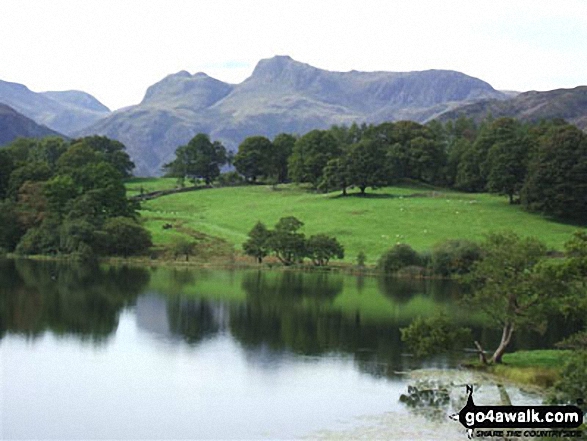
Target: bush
x: 43, y: 239
x: 230, y: 179
x: 321, y: 248
x: 572, y: 384
x: 433, y: 335
x: 454, y: 257
x: 124, y: 236
x: 398, y: 257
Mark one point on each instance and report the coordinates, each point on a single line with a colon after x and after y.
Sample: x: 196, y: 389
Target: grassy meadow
x: 416, y: 215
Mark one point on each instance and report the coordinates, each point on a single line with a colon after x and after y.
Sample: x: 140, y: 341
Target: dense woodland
x: 68, y: 197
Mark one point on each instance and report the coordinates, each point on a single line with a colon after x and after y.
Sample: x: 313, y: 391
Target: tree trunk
x: 506, y: 336
x: 511, y: 198
x: 362, y: 190
x: 344, y: 191
x: 481, y: 352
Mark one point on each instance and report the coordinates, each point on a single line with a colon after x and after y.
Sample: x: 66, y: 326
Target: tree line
x: 68, y: 197
x: 542, y: 166
x: 289, y: 245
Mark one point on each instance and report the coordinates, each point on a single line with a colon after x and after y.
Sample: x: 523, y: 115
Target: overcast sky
x: 115, y: 49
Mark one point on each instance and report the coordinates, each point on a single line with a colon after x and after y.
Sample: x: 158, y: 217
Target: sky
x: 115, y: 49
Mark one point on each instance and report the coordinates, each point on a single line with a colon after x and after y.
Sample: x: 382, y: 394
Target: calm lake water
x: 127, y: 353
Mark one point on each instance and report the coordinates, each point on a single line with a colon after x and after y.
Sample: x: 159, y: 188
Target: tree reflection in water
x: 65, y: 298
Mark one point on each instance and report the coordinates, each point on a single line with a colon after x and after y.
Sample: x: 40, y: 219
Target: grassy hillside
x: 417, y: 216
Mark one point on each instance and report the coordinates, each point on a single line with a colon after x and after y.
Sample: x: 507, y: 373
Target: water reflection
x: 307, y: 314
x: 64, y: 298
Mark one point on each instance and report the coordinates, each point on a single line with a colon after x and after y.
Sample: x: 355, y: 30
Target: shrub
x: 124, y: 236
x: 321, y: 248
x: 400, y: 256
x: 454, y: 257
x: 433, y: 335
x: 230, y: 179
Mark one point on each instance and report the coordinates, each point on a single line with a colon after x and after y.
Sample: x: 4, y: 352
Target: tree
x: 283, y: 147
x: 199, y: 159
x: 365, y: 164
x: 10, y: 229
x: 432, y: 335
x: 183, y: 247
x: 6, y: 168
x: 111, y: 151
x: 255, y: 157
x: 288, y: 245
x: 321, y: 248
x: 557, y: 175
x: 336, y: 175
x: 257, y: 245
x: 507, y: 159
x: 398, y: 257
x: 310, y: 155
x: 454, y: 257
x: 512, y: 286
x: 124, y: 236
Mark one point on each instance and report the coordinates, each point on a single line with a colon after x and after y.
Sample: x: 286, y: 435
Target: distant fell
x: 281, y: 95
x: 14, y: 125
x: 65, y: 112
x: 568, y: 104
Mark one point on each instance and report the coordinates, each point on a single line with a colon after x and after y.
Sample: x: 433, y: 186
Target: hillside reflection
x: 303, y: 314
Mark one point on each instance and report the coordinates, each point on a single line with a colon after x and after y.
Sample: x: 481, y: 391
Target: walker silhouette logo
x: 475, y: 417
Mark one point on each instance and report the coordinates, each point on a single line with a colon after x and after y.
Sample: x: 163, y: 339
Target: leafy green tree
x: 31, y: 172
x: 507, y: 158
x: 183, y: 247
x: 365, y: 164
x: 31, y: 206
x: 433, y: 335
x: 111, y: 151
x: 10, y: 228
x: 59, y: 191
x: 398, y: 257
x: 512, y: 286
x: 288, y: 245
x: 124, y: 236
x: 361, y: 259
x: 199, y: 159
x: 310, y: 155
x: 77, y: 236
x: 42, y: 239
x: 283, y: 147
x: 320, y: 248
x: 255, y: 158
x: 6, y: 168
x: 48, y: 150
x: 557, y: 175
x: 427, y: 159
x: 258, y: 243
x: 77, y: 156
x: 336, y: 175
x: 454, y: 257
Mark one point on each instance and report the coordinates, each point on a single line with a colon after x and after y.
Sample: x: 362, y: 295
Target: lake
x: 132, y: 353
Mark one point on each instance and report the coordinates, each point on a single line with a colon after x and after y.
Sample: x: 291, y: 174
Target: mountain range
x: 281, y: 95
x: 568, y: 104
x: 65, y: 112
x: 14, y: 125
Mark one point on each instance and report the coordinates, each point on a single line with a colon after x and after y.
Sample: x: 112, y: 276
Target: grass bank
x: 417, y: 215
x: 540, y: 367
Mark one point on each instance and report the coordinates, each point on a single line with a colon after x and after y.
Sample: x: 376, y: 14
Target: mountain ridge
x: 64, y: 111
x: 15, y: 125
x: 281, y: 95
x: 532, y: 106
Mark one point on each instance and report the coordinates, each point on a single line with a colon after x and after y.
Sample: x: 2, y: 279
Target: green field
x: 418, y: 216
